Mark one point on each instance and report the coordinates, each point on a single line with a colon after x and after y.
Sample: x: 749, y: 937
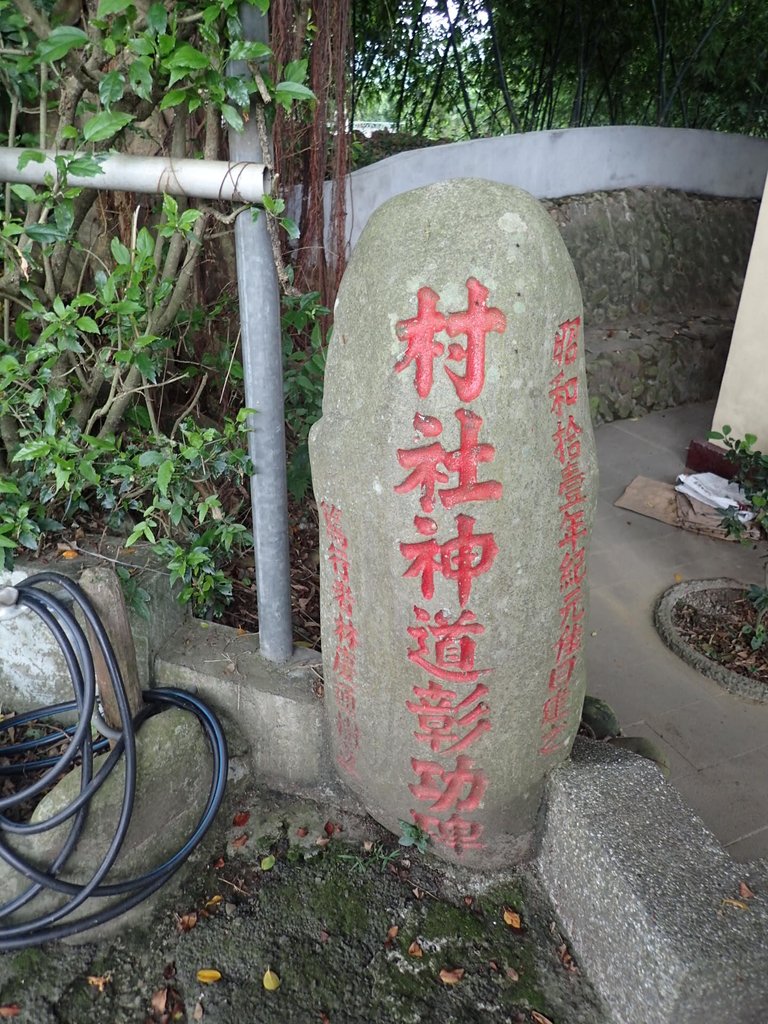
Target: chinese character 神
x: 462, y: 558
x: 424, y: 463
x: 463, y: 786
x: 454, y: 648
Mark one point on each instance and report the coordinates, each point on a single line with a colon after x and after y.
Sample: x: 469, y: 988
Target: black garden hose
x: 72, y: 641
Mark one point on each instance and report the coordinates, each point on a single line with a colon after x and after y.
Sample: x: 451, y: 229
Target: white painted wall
x: 570, y: 162
x: 742, y: 403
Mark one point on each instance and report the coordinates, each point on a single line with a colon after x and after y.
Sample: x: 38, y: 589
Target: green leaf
x: 188, y: 57
x: 31, y: 450
x: 232, y: 117
x: 157, y: 19
x: 150, y: 458
x: 243, y: 50
x: 23, y: 332
x: 173, y: 98
x: 8, y: 487
x: 105, y: 125
x: 140, y: 79
x: 111, y: 88
x: 296, y: 71
x: 87, y: 324
x: 6, y: 542
x: 87, y: 472
x: 45, y: 233
x: 288, y: 91
x: 120, y: 253
x: 107, y: 7
x: 58, y: 44
x: 164, y: 474
x: 25, y: 192
x: 267, y: 863
x: 30, y: 156
x: 86, y: 165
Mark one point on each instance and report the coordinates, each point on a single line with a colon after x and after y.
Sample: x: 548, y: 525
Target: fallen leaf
x: 513, y: 919
x: 198, y: 1012
x: 217, y: 864
x: 302, y: 832
x: 324, y: 936
x: 241, y: 819
x: 322, y: 841
x: 468, y: 901
x: 512, y: 974
x: 745, y: 892
x: 69, y: 553
x: 678, y: 577
x: 240, y: 841
x: 270, y: 981
x: 367, y: 846
x: 735, y: 903
x: 415, y: 950
x: 10, y: 1010
x: 169, y: 971
x: 540, y: 1018
x: 159, y: 1000
x: 267, y: 863
x: 187, y: 922
x: 325, y: 1019
x: 240, y: 631
x: 392, y: 932
x: 451, y: 977
x: 214, y: 901
x: 208, y: 975
x: 493, y: 965
x: 99, y: 981
x: 566, y: 959
x: 418, y: 893
x: 330, y: 827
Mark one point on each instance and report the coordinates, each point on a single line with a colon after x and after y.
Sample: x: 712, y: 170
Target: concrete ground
x: 716, y: 743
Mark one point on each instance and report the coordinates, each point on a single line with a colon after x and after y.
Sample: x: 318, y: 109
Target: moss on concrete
x: 323, y: 924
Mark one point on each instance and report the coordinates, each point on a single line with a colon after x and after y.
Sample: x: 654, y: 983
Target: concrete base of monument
x: 666, y: 926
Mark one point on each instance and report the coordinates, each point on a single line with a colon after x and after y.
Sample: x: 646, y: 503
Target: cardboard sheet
x: 659, y: 500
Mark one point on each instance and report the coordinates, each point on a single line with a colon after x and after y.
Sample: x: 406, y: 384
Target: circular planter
x: 699, y: 593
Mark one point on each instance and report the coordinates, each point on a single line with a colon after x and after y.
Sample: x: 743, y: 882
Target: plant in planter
x: 718, y: 625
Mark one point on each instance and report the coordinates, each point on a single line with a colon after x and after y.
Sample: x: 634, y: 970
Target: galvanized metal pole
x: 263, y: 372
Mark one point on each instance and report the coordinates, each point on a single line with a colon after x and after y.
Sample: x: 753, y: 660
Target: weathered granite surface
x: 455, y: 495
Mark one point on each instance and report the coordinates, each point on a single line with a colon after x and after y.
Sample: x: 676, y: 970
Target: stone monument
x: 454, y: 471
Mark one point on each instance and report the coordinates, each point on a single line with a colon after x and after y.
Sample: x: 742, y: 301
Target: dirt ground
x: 356, y: 928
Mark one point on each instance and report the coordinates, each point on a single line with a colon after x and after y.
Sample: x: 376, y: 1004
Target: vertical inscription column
x: 450, y: 782
x: 454, y: 473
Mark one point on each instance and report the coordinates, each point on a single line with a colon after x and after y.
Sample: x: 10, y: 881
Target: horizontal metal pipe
x: 243, y: 181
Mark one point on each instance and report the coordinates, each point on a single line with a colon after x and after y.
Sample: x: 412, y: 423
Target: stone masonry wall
x: 661, y: 274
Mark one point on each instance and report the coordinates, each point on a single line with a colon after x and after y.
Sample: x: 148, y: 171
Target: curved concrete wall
x: 571, y: 162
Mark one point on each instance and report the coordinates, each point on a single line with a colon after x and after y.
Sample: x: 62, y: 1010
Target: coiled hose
x: 72, y: 641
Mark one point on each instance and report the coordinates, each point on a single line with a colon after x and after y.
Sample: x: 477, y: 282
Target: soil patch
x: 723, y: 627
x: 703, y: 622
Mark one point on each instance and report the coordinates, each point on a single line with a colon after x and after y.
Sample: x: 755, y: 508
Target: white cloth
x: 717, y: 492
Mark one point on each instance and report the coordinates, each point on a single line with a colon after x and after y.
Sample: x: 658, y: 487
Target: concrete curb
x: 642, y: 888
x: 733, y: 682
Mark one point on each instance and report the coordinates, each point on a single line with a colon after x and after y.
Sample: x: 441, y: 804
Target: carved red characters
x: 450, y: 710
